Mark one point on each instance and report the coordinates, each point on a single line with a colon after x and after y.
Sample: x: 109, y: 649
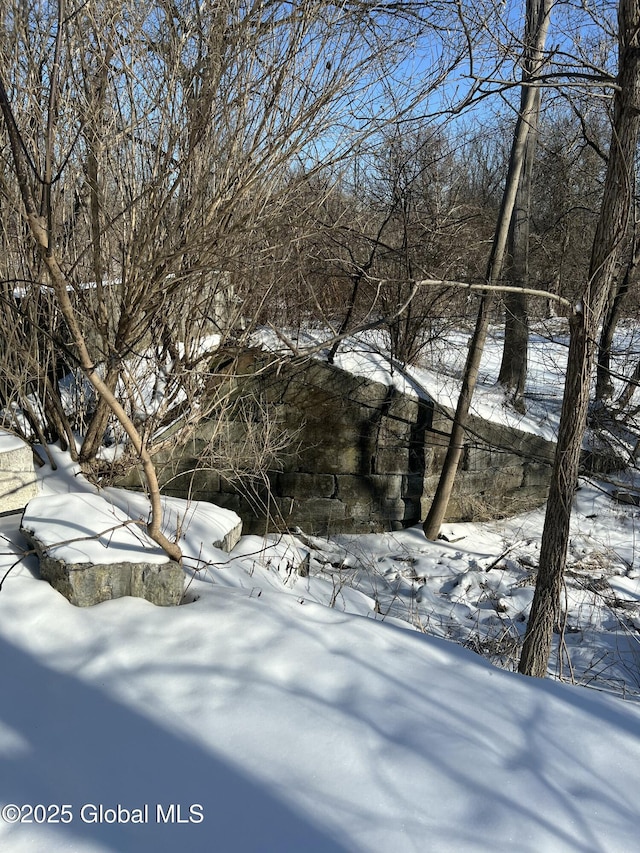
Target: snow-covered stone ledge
x: 18, y: 482
x: 91, y: 551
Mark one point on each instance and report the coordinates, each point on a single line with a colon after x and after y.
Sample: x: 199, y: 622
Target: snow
x: 84, y: 528
x: 286, y: 724
x: 10, y: 442
x: 330, y: 712
x: 295, y: 727
x: 70, y: 496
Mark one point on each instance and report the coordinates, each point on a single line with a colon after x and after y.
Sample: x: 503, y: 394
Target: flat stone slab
x: 216, y: 526
x: 91, y: 551
x: 18, y: 483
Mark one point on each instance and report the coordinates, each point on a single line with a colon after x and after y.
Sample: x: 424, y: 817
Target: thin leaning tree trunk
x: 440, y: 502
x: 612, y: 314
x: 39, y: 228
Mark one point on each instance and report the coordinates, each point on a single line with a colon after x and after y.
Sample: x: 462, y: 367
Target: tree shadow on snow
x: 68, y: 743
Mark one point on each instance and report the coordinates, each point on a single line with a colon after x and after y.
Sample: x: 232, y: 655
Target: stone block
x: 371, y: 395
x: 90, y: 552
x: 391, y: 460
x: 361, y: 525
x: 537, y: 475
x: 361, y: 512
x: 387, y: 487
x: 437, y: 447
x: 483, y: 458
x: 230, y: 539
x: 371, y: 488
x: 412, y: 485
x: 425, y: 504
x: 323, y: 509
x: 233, y: 501
x: 496, y: 483
x: 478, y: 496
x: 18, y: 482
x: 197, y: 484
x: 320, y: 516
x: 396, y: 514
x: 494, y: 434
x: 303, y: 486
x: 393, y: 510
x: 420, y: 459
x: 441, y: 421
x: 228, y: 486
x: 430, y: 484
x: 512, y: 440
x: 391, y: 434
x: 404, y: 409
x: 85, y: 584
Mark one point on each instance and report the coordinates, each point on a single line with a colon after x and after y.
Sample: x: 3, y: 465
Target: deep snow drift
x: 255, y: 719
x: 275, y: 713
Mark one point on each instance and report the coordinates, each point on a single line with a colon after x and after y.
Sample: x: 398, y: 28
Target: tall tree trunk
x: 604, y: 385
x: 607, y: 248
x: 537, y: 38
x: 513, y: 368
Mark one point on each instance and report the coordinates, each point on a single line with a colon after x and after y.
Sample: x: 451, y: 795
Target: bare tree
x: 513, y: 368
x: 535, y: 40
x: 149, y: 149
x: 608, y: 246
x: 612, y: 315
x: 566, y: 195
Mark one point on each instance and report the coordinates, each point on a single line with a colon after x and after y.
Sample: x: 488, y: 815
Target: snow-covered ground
x: 278, y: 713
x: 476, y: 586
x: 256, y: 718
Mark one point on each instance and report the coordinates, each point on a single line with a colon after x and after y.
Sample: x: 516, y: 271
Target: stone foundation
x: 364, y: 457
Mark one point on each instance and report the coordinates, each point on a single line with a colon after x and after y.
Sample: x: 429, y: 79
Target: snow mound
x: 85, y: 528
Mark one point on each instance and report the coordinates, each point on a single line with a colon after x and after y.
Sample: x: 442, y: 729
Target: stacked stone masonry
x: 362, y: 457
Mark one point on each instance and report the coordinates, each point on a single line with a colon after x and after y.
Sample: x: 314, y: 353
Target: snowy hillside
x: 275, y: 713
x: 256, y: 719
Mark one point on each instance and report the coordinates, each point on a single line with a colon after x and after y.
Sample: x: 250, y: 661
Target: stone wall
x: 18, y: 482
x: 362, y: 457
